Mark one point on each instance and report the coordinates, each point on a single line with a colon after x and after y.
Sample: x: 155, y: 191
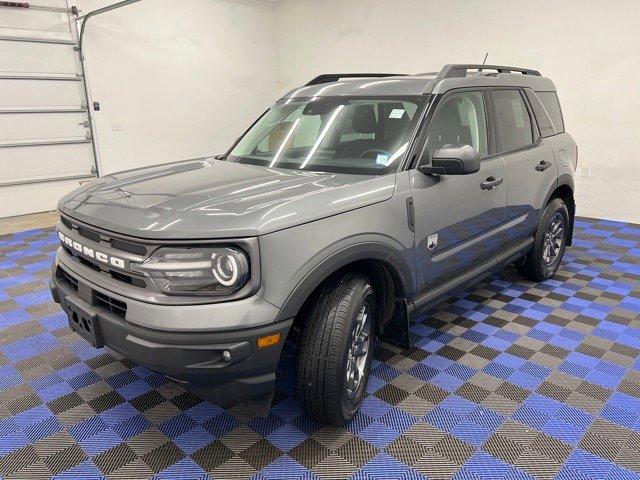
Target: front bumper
x: 196, y: 358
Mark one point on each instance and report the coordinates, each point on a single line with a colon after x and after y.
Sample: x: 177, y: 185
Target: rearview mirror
x: 453, y: 160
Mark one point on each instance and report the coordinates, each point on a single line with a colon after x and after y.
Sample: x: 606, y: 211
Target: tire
x: 326, y: 351
x: 537, y: 266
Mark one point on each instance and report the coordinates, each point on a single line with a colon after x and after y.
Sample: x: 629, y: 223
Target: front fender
x: 318, y: 271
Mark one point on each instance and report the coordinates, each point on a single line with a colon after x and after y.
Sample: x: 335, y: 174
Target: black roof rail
x: 460, y: 70
x: 334, y: 77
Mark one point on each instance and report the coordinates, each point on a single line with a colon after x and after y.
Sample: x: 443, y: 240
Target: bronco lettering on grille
x: 90, y: 252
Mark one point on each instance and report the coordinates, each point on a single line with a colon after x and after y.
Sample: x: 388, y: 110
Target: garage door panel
x: 23, y: 164
x: 31, y: 57
x: 42, y: 126
x: 35, y: 24
x: 40, y: 93
x: 44, y: 120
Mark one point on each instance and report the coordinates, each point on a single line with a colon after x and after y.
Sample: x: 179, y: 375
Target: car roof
x: 450, y: 77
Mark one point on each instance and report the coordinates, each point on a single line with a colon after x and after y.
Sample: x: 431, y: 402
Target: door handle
x: 543, y: 165
x: 491, y: 182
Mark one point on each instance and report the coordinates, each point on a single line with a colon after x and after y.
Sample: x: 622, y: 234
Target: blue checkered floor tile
x: 510, y: 379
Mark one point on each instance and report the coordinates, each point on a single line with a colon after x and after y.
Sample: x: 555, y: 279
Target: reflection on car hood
x: 215, y: 199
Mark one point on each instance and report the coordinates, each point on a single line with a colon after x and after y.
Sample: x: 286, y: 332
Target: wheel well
x: 565, y: 193
x: 386, y: 283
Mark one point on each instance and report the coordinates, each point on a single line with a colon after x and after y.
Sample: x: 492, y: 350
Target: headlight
x: 196, y: 271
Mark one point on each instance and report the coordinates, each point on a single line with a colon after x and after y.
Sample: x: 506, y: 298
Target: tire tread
x: 321, y: 352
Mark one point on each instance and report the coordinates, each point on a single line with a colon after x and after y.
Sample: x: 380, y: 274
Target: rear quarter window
x: 545, y: 124
x: 551, y: 104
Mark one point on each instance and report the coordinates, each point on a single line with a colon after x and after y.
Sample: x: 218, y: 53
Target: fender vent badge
x: 432, y: 241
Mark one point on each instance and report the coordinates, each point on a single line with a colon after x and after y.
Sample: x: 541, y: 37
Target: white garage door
x: 44, y: 123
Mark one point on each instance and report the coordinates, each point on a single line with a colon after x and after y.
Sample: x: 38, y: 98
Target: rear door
x: 530, y: 164
x: 44, y: 122
x: 457, y: 218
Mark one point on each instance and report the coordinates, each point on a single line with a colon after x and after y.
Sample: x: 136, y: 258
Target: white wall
x: 591, y: 50
x: 177, y: 79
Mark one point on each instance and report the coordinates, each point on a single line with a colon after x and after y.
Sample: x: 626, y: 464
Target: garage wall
x: 590, y: 50
x: 177, y: 79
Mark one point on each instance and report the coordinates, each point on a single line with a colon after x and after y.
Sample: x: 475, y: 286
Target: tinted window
x: 460, y: 119
x: 513, y: 124
x: 544, y: 122
x: 551, y: 104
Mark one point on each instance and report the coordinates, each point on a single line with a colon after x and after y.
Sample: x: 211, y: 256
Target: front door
x: 458, y: 217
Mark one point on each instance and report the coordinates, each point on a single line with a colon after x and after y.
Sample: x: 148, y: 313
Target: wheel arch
x: 564, y: 189
x: 390, y: 274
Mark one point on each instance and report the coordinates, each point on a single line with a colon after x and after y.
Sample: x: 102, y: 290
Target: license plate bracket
x: 84, y: 322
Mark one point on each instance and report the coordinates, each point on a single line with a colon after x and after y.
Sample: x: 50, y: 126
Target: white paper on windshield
x: 396, y: 113
x: 381, y: 159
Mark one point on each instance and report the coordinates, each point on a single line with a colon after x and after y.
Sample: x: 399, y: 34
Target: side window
x: 551, y: 104
x: 513, y: 124
x: 460, y: 119
x: 542, y: 117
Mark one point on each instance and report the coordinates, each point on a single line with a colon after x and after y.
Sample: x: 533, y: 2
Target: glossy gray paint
x: 310, y: 224
x: 208, y: 199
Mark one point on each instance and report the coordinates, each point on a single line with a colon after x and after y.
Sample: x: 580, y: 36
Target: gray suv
x: 350, y: 207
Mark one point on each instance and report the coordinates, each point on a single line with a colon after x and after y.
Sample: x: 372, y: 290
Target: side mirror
x: 453, y: 160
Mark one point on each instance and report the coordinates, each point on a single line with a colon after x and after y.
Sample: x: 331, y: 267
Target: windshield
x: 332, y: 134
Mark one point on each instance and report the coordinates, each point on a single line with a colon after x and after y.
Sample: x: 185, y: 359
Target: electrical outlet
x: 584, y: 172
x: 116, y: 127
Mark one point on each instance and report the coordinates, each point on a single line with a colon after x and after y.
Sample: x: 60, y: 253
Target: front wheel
x: 335, y: 349
x: 549, y: 243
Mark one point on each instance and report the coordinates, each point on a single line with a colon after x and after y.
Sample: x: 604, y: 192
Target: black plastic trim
x: 460, y: 70
x: 334, y: 77
x: 196, y: 357
x: 333, y: 263
x: 440, y: 292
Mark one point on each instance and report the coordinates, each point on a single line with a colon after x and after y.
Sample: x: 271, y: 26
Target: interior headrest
x: 364, y: 119
x: 449, y: 113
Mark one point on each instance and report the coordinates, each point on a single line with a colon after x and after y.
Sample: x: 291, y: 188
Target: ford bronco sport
x: 351, y: 206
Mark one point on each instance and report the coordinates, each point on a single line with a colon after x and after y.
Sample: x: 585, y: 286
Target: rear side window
x: 513, y: 124
x: 551, y: 104
x: 544, y: 122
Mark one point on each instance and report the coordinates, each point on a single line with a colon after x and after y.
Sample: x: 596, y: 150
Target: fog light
x: 226, y: 356
x: 269, y: 340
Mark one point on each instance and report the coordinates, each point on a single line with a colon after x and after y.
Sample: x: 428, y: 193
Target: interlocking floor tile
x: 509, y: 379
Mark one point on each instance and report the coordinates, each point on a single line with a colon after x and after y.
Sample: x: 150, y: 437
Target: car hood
x: 203, y: 199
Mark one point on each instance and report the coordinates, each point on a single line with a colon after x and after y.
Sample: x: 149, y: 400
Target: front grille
x: 128, y: 247
x: 65, y: 277
x: 97, y: 237
x: 90, y: 234
x: 114, y: 306
x: 119, y: 276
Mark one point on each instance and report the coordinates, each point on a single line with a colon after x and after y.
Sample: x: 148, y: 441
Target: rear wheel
x: 549, y: 245
x: 335, y: 349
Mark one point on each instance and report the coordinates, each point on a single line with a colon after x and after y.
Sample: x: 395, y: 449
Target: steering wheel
x: 374, y: 150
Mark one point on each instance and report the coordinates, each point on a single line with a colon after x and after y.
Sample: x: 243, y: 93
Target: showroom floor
x: 509, y: 380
